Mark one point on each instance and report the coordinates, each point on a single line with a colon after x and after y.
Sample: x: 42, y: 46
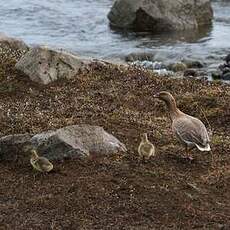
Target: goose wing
x: 191, y: 130
x: 146, y: 148
x: 43, y: 163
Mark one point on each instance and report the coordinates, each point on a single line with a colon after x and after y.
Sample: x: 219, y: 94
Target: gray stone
x: 11, y: 147
x: 11, y: 48
x: 44, y: 65
x: 77, y: 141
x: 227, y: 59
x: 190, y: 73
x: 226, y: 70
x: 193, y: 63
x: 161, y: 15
x: 177, y: 67
x: 216, y: 74
x: 226, y: 76
x: 141, y: 56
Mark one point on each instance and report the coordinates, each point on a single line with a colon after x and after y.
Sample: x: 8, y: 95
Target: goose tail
x: 206, y: 148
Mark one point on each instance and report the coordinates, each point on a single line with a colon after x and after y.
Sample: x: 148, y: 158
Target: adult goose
x: 190, y: 131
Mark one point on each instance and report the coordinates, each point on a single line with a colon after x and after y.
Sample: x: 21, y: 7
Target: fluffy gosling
x: 40, y: 164
x: 146, y: 149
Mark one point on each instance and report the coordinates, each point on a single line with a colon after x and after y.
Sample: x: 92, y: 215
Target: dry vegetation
x: 116, y: 192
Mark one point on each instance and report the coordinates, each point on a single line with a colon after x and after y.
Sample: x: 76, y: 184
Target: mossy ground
x: 116, y: 192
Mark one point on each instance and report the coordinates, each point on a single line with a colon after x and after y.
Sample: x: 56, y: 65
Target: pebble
x: 190, y: 72
x: 227, y: 59
x: 193, y: 64
x: 226, y: 76
x: 216, y: 74
x: 177, y: 67
x: 223, y: 71
x: 226, y: 70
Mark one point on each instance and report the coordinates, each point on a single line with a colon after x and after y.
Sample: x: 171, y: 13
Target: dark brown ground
x: 116, y: 192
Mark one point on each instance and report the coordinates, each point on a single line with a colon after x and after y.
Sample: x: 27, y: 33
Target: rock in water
x: 177, y: 67
x: 193, y: 63
x: 11, y: 48
x: 226, y: 76
x: 44, y: 65
x: 139, y: 56
x: 190, y: 73
x: 216, y: 75
x: 160, y: 15
x: 227, y: 59
x: 226, y: 70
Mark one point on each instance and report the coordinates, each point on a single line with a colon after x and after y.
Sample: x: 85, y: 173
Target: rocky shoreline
x: 44, y: 65
x: 112, y: 190
x: 182, y: 68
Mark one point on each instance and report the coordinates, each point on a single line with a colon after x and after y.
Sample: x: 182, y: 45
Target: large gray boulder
x: 11, y: 147
x: 76, y: 141
x: 44, y: 65
x: 11, y: 48
x: 160, y: 15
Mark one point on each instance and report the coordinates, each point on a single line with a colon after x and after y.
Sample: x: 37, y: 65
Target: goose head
x: 166, y: 97
x: 33, y: 154
x: 144, y: 137
x: 170, y: 103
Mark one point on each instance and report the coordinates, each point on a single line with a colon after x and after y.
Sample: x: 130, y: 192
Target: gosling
x: 146, y: 149
x: 40, y: 164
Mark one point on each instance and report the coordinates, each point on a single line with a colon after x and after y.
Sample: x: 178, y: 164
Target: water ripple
x: 82, y: 26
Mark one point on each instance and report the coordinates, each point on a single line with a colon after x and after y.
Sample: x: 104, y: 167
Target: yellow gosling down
x: 40, y: 164
x: 190, y: 131
x: 146, y: 149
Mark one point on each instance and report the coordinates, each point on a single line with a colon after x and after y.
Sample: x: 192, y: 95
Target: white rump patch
x: 206, y: 148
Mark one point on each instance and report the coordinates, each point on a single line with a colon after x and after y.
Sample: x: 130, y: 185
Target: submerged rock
x: 223, y: 71
x: 226, y: 70
x: 177, y: 67
x: 226, y: 76
x: 44, y: 65
x: 190, y: 73
x: 216, y: 75
x: 77, y: 141
x: 193, y: 63
x: 227, y: 59
x: 161, y: 15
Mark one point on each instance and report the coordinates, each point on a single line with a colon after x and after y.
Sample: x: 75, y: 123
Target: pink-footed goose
x: 190, y: 131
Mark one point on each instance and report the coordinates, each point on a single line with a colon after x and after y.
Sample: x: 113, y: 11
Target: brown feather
x: 190, y: 129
